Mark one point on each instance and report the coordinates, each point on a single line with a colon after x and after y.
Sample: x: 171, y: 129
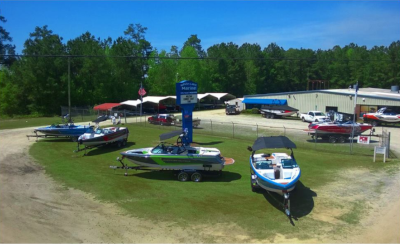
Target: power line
x: 188, y: 58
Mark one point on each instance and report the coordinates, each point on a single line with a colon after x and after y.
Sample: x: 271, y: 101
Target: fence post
x: 388, y: 146
x: 125, y: 115
x: 284, y: 130
x: 233, y: 130
x: 212, y: 132
x: 257, y: 129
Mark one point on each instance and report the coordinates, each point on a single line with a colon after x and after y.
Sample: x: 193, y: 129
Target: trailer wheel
x: 332, y: 139
x: 303, y: 119
x: 124, y: 142
x: 342, y: 139
x: 196, y: 177
x: 183, y: 176
x: 119, y: 144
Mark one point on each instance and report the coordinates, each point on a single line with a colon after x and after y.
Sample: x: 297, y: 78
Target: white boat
x: 276, y: 172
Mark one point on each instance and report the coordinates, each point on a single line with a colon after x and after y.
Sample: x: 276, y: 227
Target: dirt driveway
x: 34, y: 208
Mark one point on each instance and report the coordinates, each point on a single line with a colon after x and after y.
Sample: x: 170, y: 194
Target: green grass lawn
x: 227, y: 199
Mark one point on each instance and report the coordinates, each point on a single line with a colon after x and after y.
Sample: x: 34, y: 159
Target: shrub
x: 255, y: 111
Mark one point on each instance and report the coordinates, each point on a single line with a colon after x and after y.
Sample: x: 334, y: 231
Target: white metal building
x: 339, y: 100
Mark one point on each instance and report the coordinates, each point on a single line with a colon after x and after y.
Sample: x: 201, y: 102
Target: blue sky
x: 290, y: 24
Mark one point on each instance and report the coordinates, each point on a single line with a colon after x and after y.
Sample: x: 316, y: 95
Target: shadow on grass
x: 301, y: 201
x: 226, y: 176
x: 55, y: 139
x: 107, y: 149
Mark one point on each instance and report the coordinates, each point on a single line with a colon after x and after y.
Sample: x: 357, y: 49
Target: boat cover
x: 273, y: 142
x: 171, y: 134
x: 100, y: 119
x: 278, y: 107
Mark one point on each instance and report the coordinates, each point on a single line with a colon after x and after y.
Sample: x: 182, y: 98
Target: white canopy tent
x: 216, y: 95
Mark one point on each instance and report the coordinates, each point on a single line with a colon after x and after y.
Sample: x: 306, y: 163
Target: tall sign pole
x: 354, y: 117
x: 141, y: 92
x: 186, y: 97
x: 69, y: 90
x: 141, y: 99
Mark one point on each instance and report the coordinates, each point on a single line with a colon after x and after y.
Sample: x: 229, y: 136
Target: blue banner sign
x: 186, y: 97
x: 186, y: 92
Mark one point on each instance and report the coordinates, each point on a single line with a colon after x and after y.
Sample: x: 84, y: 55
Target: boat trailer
x: 182, y: 174
x: 73, y: 138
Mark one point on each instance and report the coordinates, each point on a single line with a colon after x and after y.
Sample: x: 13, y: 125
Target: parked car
x: 162, y: 119
x: 232, y: 109
x: 314, y: 116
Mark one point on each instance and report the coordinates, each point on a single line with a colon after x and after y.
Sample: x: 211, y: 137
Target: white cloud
x: 364, y: 25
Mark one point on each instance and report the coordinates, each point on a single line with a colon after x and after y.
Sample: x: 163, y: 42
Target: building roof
x: 216, y: 95
x: 106, y: 106
x: 362, y: 92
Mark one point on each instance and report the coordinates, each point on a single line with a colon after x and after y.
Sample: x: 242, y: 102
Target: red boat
x: 336, y: 131
x: 383, y: 115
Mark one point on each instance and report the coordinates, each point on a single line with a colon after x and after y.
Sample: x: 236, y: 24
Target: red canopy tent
x: 106, y: 106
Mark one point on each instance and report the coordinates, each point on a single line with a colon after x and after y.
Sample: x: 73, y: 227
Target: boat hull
x: 92, y: 139
x: 142, y: 157
x: 279, y: 186
x: 279, y: 112
x: 335, y: 129
x: 64, y: 130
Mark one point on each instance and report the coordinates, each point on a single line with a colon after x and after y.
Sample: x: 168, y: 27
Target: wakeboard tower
x: 274, y: 172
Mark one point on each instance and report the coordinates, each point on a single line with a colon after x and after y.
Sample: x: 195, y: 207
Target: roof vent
x: 394, y: 89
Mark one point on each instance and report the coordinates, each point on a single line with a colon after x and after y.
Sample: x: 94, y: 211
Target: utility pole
x: 69, y: 90
x: 354, y: 117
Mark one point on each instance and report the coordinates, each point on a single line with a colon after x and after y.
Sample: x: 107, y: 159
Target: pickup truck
x: 231, y: 109
x: 178, y: 121
x: 161, y: 119
x: 313, y: 116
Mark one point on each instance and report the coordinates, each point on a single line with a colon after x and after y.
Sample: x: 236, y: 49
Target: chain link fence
x: 248, y: 132
x: 301, y: 137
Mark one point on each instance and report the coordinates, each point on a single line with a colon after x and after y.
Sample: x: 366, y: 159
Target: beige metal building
x: 339, y: 100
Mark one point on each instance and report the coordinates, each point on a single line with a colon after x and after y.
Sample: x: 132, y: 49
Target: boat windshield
x: 98, y: 131
x: 288, y: 163
x: 167, y: 148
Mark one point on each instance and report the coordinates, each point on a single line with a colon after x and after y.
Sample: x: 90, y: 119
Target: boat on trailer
x: 188, y: 161
x: 62, y: 130
x: 274, y: 172
x: 103, y: 136
x: 337, y: 131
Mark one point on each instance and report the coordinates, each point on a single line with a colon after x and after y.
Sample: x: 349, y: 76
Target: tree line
x: 107, y: 70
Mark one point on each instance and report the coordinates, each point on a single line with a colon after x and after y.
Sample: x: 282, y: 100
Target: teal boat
x: 189, y: 162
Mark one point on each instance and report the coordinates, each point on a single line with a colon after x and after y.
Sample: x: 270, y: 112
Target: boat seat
x: 263, y: 165
x: 269, y: 175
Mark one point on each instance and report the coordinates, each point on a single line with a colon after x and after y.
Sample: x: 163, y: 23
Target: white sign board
x: 188, y: 98
x: 380, y: 150
x: 363, y: 139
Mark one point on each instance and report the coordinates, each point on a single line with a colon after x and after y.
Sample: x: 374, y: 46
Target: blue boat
x: 274, y: 172
x: 68, y: 130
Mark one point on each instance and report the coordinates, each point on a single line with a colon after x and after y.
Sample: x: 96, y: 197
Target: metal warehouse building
x: 339, y: 100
